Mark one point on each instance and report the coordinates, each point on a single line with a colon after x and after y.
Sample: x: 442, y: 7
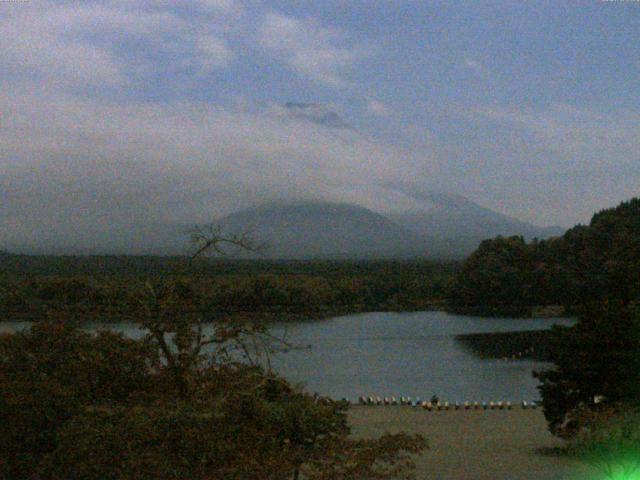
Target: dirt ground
x: 475, y: 444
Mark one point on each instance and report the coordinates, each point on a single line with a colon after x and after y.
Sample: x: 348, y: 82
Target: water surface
x: 410, y: 354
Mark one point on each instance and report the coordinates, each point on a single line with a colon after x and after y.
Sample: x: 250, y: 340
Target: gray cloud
x: 83, y: 44
x: 78, y: 154
x: 313, y: 50
x: 88, y: 161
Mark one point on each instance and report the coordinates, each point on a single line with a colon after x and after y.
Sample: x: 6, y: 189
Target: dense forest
x: 597, y: 261
x: 107, y: 288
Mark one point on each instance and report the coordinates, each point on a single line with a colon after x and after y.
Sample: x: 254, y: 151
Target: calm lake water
x: 411, y: 354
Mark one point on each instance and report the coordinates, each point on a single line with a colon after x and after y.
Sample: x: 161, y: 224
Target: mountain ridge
x: 295, y: 228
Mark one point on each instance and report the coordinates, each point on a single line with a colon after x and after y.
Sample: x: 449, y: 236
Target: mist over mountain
x: 453, y: 228
x: 456, y: 225
x: 364, y: 212
x: 449, y: 227
x: 325, y: 230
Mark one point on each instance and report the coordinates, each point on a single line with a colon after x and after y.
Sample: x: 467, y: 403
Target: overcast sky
x: 164, y: 111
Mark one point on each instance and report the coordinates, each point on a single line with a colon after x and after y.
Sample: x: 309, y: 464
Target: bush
x: 609, y: 441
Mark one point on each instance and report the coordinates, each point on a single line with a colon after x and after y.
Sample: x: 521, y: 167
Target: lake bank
x: 516, y: 345
x: 525, y: 311
x: 476, y: 444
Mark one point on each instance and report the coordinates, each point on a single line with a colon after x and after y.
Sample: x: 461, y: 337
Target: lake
x: 401, y: 354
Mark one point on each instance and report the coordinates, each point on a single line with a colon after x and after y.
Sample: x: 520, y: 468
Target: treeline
x: 588, y: 263
x: 70, y: 265
x: 518, y: 345
x: 109, y: 287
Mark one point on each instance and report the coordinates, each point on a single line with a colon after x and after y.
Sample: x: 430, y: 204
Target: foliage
x: 593, y: 271
x: 531, y: 344
x: 588, y: 263
x: 496, y: 273
x: 609, y: 441
x: 49, y: 374
x: 175, y: 404
x: 301, y: 290
x: 76, y: 406
x: 597, y: 363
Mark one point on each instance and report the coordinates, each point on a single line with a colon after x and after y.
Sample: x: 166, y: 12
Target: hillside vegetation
x: 107, y: 288
x: 588, y: 263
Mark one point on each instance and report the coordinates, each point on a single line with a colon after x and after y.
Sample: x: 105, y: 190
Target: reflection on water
x: 397, y: 354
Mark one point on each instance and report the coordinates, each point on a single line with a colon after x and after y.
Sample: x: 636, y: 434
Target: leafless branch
x: 212, y: 237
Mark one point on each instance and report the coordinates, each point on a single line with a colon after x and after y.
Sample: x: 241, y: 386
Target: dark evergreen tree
x: 597, y: 364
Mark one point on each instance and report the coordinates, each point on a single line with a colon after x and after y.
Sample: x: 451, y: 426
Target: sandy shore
x: 475, y: 445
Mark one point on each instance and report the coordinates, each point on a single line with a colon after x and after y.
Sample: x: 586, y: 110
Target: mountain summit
x: 324, y: 230
x: 317, y: 113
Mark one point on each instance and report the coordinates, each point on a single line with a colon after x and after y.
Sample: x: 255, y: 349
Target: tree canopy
x: 597, y: 363
x: 175, y: 404
x: 588, y: 263
x: 593, y: 271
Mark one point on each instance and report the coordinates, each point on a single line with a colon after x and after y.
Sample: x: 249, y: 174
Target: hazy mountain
x: 450, y: 226
x: 328, y: 230
x: 458, y: 225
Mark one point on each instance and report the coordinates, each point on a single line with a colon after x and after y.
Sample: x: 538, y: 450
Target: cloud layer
x: 177, y: 163
x: 118, y: 113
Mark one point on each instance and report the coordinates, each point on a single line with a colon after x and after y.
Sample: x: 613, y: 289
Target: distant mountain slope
x: 450, y: 227
x: 458, y: 225
x: 319, y: 229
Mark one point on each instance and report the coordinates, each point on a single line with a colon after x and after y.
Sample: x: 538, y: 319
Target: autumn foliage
x: 175, y: 404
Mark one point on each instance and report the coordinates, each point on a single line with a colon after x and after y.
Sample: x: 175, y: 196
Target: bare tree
x: 212, y: 237
x: 174, y: 315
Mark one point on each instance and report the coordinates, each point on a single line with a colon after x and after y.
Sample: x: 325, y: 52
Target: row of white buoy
x: 428, y: 405
x: 518, y: 355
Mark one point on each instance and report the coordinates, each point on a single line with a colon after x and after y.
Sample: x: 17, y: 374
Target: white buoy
x: 476, y: 406
x: 378, y: 401
x: 508, y: 405
x: 524, y: 405
x: 491, y: 405
x: 534, y: 405
x: 484, y: 405
x: 500, y: 405
x: 446, y: 405
x: 386, y: 401
x: 457, y: 406
x: 394, y: 401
